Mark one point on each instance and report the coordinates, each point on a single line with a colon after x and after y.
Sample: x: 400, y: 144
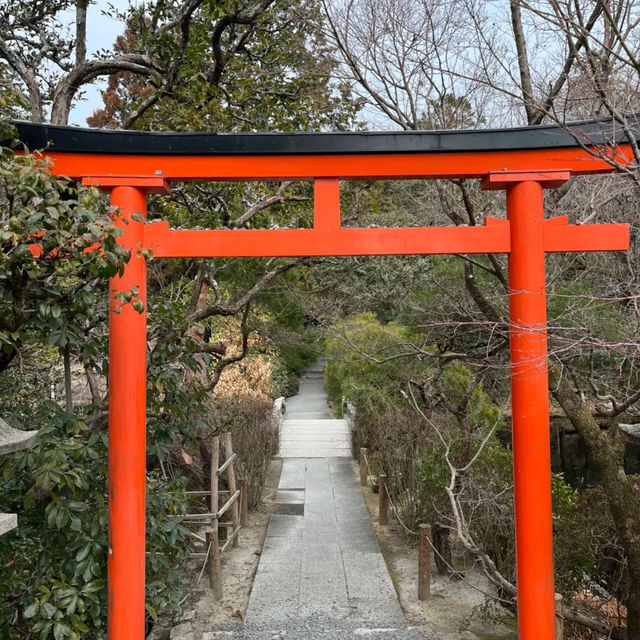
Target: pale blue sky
x: 101, y: 34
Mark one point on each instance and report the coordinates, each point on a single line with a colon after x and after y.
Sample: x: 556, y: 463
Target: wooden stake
x: 383, y: 500
x: 244, y: 502
x: 424, y: 562
x: 215, y: 568
x: 559, y: 617
x: 231, y: 476
x: 363, y: 467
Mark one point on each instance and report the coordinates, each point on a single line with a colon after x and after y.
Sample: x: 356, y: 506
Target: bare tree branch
x: 225, y: 362
x: 278, y: 198
x: 219, y: 309
x: 81, y: 31
x: 28, y: 76
x: 67, y: 88
x: 523, y: 60
x: 222, y: 25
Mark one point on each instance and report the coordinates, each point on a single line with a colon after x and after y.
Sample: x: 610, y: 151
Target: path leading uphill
x: 308, y: 430
x: 321, y: 574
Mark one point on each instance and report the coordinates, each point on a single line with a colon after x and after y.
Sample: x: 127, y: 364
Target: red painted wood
x: 497, y: 180
x: 493, y: 238
x: 326, y: 205
x: 526, y: 237
x: 584, y: 237
x: 246, y: 168
x: 530, y: 413
x: 127, y: 433
x: 151, y: 184
x: 168, y: 243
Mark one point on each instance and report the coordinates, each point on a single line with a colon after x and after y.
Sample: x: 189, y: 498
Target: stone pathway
x: 308, y: 430
x: 321, y: 574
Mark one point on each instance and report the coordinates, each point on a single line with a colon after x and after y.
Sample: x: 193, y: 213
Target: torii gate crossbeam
x: 522, y: 162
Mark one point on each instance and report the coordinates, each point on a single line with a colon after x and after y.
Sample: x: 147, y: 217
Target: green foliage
x: 279, y: 382
x: 58, y: 248
x: 578, y: 309
x: 352, y: 371
x: 275, y: 74
x: 55, y: 582
x: 407, y: 446
x: 300, y: 356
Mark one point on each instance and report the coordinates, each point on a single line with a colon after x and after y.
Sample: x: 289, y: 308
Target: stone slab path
x: 321, y: 574
x: 308, y: 430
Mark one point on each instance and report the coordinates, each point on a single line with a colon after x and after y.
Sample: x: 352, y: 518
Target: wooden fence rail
x: 228, y: 462
x: 236, y: 504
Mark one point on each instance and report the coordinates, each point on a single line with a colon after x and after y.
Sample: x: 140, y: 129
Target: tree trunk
x: 606, y: 453
x: 442, y: 546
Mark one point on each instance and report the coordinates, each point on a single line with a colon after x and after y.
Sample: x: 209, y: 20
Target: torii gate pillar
x: 530, y: 398
x: 127, y: 410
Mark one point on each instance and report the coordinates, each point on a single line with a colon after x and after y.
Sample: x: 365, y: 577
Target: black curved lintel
x: 119, y: 142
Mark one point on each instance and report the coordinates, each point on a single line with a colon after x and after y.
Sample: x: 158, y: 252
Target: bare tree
x: 528, y: 62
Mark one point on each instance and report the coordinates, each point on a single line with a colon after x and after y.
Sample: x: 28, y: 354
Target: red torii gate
x: 522, y: 162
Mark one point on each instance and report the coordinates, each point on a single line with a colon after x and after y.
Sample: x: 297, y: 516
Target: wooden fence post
x: 215, y: 568
x: 244, y: 502
x: 383, y: 500
x: 424, y: 562
x: 559, y: 617
x: 231, y: 476
x: 363, y: 467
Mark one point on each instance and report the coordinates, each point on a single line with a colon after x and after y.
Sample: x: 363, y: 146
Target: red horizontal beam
x: 476, y: 164
x: 584, y: 237
x: 492, y: 238
x: 497, y: 180
x: 558, y: 235
x: 168, y: 243
x: 151, y: 184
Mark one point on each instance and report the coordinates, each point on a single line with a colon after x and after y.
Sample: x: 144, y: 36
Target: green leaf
x: 61, y: 631
x: 83, y: 553
x: 78, y: 624
x: 151, y: 611
x: 75, y: 505
x: 71, y: 607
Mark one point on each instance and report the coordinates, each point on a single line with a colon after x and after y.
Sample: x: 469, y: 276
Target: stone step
x: 353, y: 633
x: 12, y: 439
x: 323, y: 452
x: 316, y: 423
x: 321, y: 573
x: 292, y: 429
x: 336, y: 437
x: 8, y: 521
